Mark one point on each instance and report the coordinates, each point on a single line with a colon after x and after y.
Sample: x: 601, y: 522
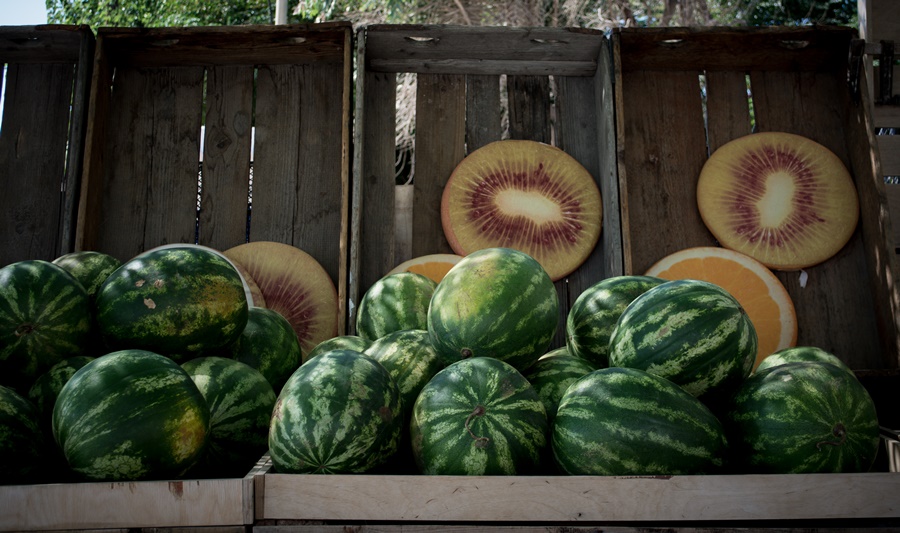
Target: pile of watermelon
x: 149, y: 369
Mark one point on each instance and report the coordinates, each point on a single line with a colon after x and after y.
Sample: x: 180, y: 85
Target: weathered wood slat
x: 483, y: 111
x: 728, y: 107
x: 889, y: 150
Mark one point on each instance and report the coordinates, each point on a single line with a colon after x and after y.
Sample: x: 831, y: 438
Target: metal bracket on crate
x: 884, y: 52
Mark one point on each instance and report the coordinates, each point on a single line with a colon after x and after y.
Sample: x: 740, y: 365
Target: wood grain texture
x: 483, y: 111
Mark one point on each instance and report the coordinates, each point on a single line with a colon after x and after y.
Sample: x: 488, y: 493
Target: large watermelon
x: 240, y: 401
x: 45, y: 317
x: 595, y: 312
x: 269, y: 344
x: 624, y: 421
x: 802, y: 417
x: 688, y: 331
x: 496, y: 302
x: 23, y: 446
x: 478, y: 416
x: 175, y: 300
x: 338, y: 413
x: 394, y: 303
x: 131, y: 415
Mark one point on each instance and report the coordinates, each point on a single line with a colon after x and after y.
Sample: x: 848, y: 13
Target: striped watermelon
x: 338, y: 413
x: 478, y: 416
x: 802, y: 417
x: 393, y: 303
x: 269, y: 344
x: 496, y: 302
x: 90, y: 268
x: 349, y: 342
x: 796, y: 354
x: 23, y: 446
x: 45, y: 317
x: 46, y: 387
x: 131, y: 415
x: 185, y: 300
x: 240, y: 401
x: 410, y: 358
x: 594, y: 313
x: 624, y: 421
x: 552, y: 374
x: 688, y: 331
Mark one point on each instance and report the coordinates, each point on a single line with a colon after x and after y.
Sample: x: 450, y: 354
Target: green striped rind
x: 240, y: 401
x: 173, y: 300
x: 131, y: 415
x: 691, y: 332
x: 552, y: 374
x: 394, y: 303
x: 338, y: 413
x: 478, y: 416
x: 23, y: 448
x: 496, y: 302
x: 45, y: 317
x: 796, y: 354
x: 802, y: 417
x: 410, y: 358
x: 269, y: 344
x: 90, y: 268
x: 594, y: 314
x: 46, y: 387
x: 624, y: 421
x: 347, y: 342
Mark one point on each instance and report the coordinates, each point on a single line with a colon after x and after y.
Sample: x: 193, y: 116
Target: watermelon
x: 802, y: 417
x: 89, y: 267
x: 45, y: 317
x: 688, y: 331
x: 410, y: 358
x: 349, y: 342
x: 624, y: 421
x: 796, y: 354
x: 23, y: 447
x: 478, y: 416
x: 495, y: 302
x: 552, y: 374
x: 185, y: 300
x: 240, y: 401
x: 130, y: 415
x: 393, y: 303
x: 338, y: 413
x: 594, y: 314
x: 269, y: 344
x: 46, y: 387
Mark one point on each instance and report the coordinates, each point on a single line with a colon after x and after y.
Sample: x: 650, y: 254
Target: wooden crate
x: 48, y: 74
x: 548, y: 72
x: 274, y: 100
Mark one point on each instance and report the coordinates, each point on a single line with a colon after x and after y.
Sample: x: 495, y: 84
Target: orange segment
x: 434, y: 266
x: 755, y: 287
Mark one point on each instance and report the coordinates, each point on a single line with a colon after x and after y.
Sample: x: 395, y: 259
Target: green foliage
x: 796, y: 12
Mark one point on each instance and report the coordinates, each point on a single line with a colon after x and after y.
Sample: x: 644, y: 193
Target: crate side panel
x: 440, y: 146
x: 226, y: 157
x: 32, y: 160
x: 483, y: 111
x: 666, y: 145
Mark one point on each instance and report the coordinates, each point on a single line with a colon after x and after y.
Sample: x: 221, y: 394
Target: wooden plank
x: 226, y: 157
x: 885, y: 116
x: 529, y: 108
x: 610, y: 245
x: 483, y: 111
x: 893, y: 202
x: 889, y: 152
x: 32, y: 160
x: 440, y: 146
x: 578, y: 499
x: 41, y: 44
x: 728, y: 107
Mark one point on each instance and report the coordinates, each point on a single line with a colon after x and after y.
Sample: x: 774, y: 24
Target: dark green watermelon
x: 89, y: 267
x: 46, y: 387
x: 553, y: 373
x: 269, y: 344
x: 348, y: 342
x: 394, y: 303
x: 23, y: 446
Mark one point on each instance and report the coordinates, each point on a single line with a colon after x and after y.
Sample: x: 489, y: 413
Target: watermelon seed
x: 480, y: 442
x: 839, y: 431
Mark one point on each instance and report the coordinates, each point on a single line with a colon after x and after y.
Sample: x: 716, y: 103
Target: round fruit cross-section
x: 524, y: 195
x: 783, y: 199
x: 295, y: 285
x: 434, y: 266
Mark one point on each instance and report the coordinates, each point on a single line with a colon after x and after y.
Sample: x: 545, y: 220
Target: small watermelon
x: 23, y: 447
x: 45, y: 317
x: 478, y: 416
x: 338, y: 413
x: 269, y: 344
x: 393, y: 303
x: 495, y: 302
x: 796, y: 354
x: 46, y: 387
x: 624, y: 421
x: 89, y: 267
x: 802, y: 417
x: 410, y: 358
x: 174, y: 300
x: 691, y: 332
x: 131, y: 415
x: 240, y: 402
x: 595, y: 312
x: 553, y: 373
x: 348, y: 342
